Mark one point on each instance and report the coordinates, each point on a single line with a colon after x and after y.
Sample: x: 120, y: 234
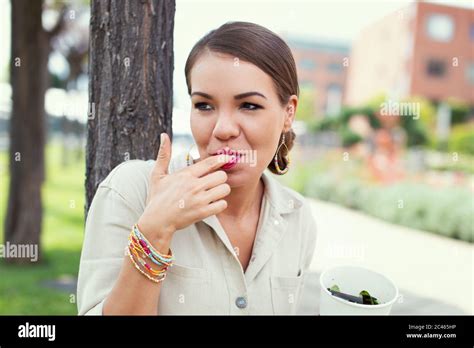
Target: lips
x: 226, y: 151
x: 231, y: 163
x: 234, y: 157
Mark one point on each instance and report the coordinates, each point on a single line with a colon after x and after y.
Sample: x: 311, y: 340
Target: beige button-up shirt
x: 207, y: 277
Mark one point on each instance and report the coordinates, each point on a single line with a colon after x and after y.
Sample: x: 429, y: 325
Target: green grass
x: 21, y: 287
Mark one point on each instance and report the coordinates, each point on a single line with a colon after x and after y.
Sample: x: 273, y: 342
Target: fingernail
x: 162, y: 138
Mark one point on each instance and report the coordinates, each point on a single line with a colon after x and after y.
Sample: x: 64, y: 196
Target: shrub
x: 415, y: 130
x: 327, y: 123
x: 459, y: 111
x: 462, y: 139
x: 349, y: 138
x: 445, y: 211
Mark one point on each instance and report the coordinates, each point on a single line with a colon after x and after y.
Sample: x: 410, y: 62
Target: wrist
x: 159, y: 239
x: 162, y: 244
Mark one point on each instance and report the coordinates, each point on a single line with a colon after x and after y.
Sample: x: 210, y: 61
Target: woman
x: 217, y: 235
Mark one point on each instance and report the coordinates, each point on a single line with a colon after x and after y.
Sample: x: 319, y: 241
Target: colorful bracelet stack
x: 140, y: 250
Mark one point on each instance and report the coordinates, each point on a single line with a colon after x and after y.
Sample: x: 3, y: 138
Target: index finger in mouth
x: 209, y: 164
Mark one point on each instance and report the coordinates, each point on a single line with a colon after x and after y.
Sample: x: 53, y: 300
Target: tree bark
x: 130, y: 83
x: 29, y: 52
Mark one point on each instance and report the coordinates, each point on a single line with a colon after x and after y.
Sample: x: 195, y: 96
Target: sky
x: 328, y: 20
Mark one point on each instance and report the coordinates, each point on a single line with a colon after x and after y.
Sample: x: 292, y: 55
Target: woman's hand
x: 178, y: 200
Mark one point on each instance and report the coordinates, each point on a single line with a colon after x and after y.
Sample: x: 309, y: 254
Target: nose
x: 226, y: 126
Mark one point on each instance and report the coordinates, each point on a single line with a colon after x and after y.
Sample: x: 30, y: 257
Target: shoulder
x: 136, y: 172
x: 296, y: 196
x: 297, y: 208
x: 128, y: 174
x: 283, y: 198
x: 302, y: 221
x: 305, y: 212
x: 130, y: 179
x: 298, y: 213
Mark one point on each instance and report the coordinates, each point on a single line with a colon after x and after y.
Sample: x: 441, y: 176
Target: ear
x: 290, y: 112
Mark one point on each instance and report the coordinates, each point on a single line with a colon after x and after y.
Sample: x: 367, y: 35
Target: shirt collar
x: 283, y: 200
x: 278, y: 200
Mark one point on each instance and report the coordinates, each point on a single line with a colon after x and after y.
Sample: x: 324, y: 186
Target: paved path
x: 433, y: 273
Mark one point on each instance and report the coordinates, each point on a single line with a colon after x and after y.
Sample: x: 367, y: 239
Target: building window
x: 471, y: 31
x: 440, y: 27
x: 436, y: 68
x: 307, y: 64
x: 470, y: 73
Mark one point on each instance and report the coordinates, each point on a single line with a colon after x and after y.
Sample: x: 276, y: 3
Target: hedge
x: 445, y: 211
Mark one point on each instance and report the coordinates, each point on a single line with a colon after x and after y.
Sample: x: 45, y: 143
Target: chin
x: 240, y: 175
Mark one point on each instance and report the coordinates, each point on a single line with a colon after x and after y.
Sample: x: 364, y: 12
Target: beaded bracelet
x: 156, y: 280
x: 139, y: 250
x: 142, y: 262
x: 142, y: 246
x: 149, y: 250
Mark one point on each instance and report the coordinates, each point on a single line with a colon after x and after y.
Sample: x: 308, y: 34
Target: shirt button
x: 241, y: 302
x: 276, y: 222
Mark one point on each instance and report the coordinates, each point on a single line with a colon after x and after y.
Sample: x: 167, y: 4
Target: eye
x: 250, y: 106
x: 203, y: 106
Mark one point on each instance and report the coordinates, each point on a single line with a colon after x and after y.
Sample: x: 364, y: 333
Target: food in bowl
x: 363, y: 298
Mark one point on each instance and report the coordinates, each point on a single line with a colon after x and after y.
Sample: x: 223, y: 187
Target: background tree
x: 29, y: 79
x: 130, y: 86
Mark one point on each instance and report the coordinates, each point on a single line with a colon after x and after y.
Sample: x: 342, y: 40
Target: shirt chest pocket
x: 286, y: 292
x: 184, y: 291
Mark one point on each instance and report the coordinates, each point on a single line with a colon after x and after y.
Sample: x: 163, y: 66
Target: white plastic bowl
x: 352, y: 280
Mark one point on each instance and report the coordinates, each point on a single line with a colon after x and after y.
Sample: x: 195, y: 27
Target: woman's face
x: 235, y: 107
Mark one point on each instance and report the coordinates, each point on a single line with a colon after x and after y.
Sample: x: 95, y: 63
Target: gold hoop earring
x: 287, y: 158
x: 189, y: 159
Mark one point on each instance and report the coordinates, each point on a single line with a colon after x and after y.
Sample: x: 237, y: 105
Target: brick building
x: 321, y: 70
x: 423, y: 50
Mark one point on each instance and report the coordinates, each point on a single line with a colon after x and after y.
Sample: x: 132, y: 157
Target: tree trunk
x: 29, y: 52
x: 130, y: 83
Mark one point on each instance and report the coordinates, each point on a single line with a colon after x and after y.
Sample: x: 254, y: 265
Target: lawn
x: 22, y: 288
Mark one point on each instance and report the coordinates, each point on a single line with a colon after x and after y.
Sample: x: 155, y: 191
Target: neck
x: 244, y: 199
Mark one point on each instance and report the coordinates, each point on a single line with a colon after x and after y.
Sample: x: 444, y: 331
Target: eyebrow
x: 238, y: 96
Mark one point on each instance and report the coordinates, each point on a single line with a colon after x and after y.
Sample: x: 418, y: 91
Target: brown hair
x: 257, y: 45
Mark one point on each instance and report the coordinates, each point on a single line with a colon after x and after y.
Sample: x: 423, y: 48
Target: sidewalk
x: 433, y: 273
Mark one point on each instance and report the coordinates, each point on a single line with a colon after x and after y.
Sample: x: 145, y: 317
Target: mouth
x: 234, y: 157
